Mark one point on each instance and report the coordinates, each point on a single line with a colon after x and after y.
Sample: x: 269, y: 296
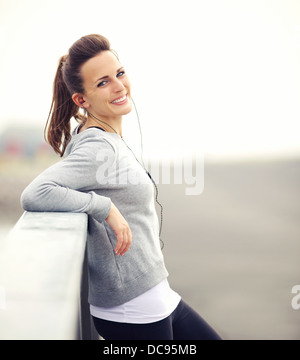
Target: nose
x: 118, y: 85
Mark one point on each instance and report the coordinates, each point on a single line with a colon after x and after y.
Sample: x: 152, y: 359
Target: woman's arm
x: 69, y: 186
x: 121, y: 229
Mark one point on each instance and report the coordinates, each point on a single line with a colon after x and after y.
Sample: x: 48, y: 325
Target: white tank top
x: 154, y: 305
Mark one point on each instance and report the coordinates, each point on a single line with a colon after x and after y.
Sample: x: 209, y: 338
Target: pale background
x: 215, y: 77
x: 225, y: 70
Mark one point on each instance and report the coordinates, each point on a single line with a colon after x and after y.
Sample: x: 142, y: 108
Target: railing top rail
x: 41, y: 263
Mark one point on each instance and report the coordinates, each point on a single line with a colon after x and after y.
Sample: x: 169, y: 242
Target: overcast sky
x: 222, y: 76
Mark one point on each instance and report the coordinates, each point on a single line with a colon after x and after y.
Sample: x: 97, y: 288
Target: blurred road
x: 233, y: 252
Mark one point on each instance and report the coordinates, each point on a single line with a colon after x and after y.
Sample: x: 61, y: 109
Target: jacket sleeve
x: 72, y: 185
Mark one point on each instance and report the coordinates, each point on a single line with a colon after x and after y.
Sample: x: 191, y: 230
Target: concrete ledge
x: 41, y: 272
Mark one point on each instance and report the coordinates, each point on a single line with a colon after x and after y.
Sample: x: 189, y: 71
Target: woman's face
x: 107, y: 87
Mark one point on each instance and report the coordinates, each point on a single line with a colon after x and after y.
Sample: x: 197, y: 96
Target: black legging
x: 183, y: 324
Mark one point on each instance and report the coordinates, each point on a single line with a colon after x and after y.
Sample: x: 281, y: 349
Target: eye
x: 121, y: 73
x: 102, y: 83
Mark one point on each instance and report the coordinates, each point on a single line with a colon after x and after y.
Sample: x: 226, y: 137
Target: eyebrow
x: 106, y: 76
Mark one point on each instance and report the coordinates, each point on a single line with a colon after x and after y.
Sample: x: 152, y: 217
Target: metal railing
x: 44, y: 280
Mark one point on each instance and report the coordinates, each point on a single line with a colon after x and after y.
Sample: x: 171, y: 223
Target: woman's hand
x: 121, y: 228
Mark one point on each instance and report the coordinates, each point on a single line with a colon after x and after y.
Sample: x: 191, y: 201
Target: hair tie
x: 63, y: 60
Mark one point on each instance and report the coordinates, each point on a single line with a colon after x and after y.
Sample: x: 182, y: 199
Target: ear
x: 79, y: 100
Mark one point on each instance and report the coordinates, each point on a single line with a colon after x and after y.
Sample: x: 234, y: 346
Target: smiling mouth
x: 120, y: 100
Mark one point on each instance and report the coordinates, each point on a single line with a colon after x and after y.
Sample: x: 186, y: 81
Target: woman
x: 129, y: 294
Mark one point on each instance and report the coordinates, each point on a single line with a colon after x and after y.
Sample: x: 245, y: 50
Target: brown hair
x: 68, y: 81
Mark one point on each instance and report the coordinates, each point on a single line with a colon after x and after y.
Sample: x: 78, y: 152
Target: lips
x: 121, y: 100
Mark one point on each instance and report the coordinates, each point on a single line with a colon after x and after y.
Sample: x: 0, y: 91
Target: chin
x: 127, y: 111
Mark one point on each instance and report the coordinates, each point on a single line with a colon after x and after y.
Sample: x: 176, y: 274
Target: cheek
x: 100, y: 96
x: 127, y: 83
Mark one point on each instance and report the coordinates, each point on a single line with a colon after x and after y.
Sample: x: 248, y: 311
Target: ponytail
x: 57, y: 129
x: 67, y: 82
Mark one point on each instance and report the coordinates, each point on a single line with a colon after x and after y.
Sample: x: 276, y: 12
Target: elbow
x: 35, y: 197
x: 41, y: 196
x: 28, y: 200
